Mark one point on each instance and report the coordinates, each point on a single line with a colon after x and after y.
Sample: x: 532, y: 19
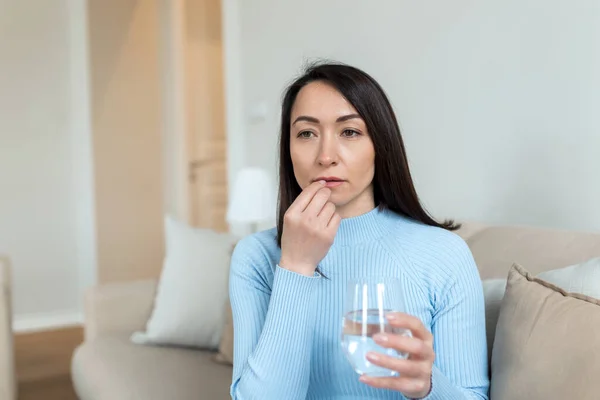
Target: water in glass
x: 368, y: 303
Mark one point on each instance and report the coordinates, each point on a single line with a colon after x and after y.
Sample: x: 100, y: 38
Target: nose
x: 328, y: 154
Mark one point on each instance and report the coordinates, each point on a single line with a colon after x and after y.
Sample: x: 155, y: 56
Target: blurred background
x: 114, y: 113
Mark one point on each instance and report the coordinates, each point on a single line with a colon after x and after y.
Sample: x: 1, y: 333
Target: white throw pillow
x: 581, y: 278
x: 189, y: 308
x: 493, y: 292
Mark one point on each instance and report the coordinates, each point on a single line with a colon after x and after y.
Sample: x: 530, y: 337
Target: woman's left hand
x: 414, y: 380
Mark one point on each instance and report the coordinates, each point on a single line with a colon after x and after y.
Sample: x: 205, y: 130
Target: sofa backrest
x: 496, y: 248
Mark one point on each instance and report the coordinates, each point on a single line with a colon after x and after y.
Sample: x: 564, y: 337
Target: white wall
x: 234, y: 99
x: 126, y: 120
x: 498, y: 101
x: 46, y: 203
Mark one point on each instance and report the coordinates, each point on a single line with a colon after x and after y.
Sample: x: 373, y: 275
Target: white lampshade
x: 252, y: 197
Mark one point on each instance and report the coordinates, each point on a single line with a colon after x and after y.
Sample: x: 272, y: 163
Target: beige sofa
x: 8, y: 382
x: 108, y: 367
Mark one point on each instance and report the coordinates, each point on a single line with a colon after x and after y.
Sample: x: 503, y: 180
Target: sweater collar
x: 365, y: 227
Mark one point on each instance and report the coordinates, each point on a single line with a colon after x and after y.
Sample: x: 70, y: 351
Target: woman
x: 348, y: 208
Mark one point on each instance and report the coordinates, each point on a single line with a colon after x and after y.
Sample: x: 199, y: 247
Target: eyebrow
x: 316, y: 121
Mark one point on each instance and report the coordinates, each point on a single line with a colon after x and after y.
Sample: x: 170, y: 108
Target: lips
x: 332, y: 184
x: 331, y: 181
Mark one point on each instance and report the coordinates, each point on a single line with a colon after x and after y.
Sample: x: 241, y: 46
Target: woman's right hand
x: 309, y: 227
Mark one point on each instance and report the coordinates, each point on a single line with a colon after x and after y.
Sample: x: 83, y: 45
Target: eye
x: 350, y: 133
x: 305, y: 135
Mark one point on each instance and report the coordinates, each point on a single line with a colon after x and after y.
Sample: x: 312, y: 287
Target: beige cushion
x: 582, y: 278
x: 112, y: 368
x: 547, y: 344
x: 118, y: 307
x: 495, y: 249
x: 225, y: 354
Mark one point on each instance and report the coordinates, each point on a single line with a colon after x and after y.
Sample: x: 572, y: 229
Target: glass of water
x: 368, y: 302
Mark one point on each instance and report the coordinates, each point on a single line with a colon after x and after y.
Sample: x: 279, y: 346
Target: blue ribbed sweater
x: 287, y: 326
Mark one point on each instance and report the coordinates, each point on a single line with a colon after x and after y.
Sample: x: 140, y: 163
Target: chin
x: 339, y: 201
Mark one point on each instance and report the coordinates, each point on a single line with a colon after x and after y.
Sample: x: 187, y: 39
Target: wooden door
x: 206, y: 114
x: 195, y: 144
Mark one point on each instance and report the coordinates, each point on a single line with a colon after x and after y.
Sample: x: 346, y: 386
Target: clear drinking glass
x: 368, y: 302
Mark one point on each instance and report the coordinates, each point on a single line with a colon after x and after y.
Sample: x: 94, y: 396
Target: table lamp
x: 252, y: 198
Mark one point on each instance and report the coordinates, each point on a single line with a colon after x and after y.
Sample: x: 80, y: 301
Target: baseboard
x: 46, y: 321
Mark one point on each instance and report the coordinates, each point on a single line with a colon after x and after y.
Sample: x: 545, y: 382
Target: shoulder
x: 417, y: 235
x: 260, y: 240
x: 256, y: 250
x: 432, y: 250
x: 252, y: 261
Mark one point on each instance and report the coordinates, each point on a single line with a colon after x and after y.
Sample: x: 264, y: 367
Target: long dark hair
x: 393, y: 187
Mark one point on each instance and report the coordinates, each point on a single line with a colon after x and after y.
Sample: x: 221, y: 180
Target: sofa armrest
x: 121, y: 308
x: 8, y: 381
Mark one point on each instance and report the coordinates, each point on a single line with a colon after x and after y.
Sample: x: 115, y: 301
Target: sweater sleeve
x: 273, y: 323
x: 460, y: 371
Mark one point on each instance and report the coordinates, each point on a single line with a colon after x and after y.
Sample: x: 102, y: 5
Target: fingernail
x: 381, y: 337
x: 322, y: 182
x: 363, y: 379
x: 372, y: 356
x: 391, y: 317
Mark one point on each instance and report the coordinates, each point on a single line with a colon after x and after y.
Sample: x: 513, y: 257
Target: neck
x: 359, y: 206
